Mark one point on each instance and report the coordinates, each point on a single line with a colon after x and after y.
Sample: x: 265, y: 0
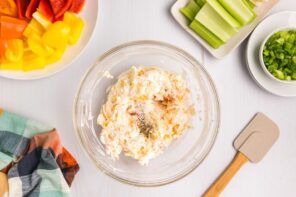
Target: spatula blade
x: 257, y: 137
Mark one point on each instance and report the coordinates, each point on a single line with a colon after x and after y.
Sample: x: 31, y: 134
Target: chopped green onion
x: 279, y: 55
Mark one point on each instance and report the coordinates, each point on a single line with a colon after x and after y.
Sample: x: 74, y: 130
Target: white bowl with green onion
x: 277, y: 55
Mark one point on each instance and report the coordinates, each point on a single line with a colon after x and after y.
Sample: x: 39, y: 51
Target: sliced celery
x: 249, y: 4
x: 200, y: 2
x: 190, y: 10
x: 204, y: 33
x: 239, y: 10
x: 208, y: 17
x: 223, y: 13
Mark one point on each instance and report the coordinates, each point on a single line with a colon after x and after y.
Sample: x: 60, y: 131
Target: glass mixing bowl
x: 184, y: 154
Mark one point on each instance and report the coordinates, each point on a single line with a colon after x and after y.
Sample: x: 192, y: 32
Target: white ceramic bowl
x: 261, y: 55
x: 89, y: 14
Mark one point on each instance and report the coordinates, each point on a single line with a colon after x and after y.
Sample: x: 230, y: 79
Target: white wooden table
x: 50, y: 100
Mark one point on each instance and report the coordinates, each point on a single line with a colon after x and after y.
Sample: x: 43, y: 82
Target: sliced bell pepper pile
x: 34, y: 33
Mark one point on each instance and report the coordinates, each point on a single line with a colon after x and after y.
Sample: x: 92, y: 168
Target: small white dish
x: 225, y: 49
x: 89, y: 14
x: 261, y: 55
x: 272, y: 23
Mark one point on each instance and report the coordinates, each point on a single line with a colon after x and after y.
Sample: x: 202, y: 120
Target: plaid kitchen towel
x: 41, y: 166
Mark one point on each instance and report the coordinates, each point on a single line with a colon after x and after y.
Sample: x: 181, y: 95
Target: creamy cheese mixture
x: 145, y: 110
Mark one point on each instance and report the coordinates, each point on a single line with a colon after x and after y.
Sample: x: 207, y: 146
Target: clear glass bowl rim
x: 137, y: 43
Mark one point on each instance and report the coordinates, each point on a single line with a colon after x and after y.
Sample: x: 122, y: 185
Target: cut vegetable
x: 76, y: 24
x: 59, y: 7
x: 22, y: 7
x: 57, y: 35
x: 36, y: 45
x: 279, y: 55
x: 190, y: 10
x: 239, y: 10
x: 31, y: 8
x: 208, y: 17
x: 45, y: 9
x: 77, y: 6
x: 3, y: 47
x: 32, y: 61
x: 249, y: 4
x: 15, y: 50
x: 8, y: 65
x: 38, y: 16
x: 34, y: 27
x: 200, y: 3
x: 56, y: 56
x: 12, y: 27
x: 8, y: 7
x: 223, y: 13
x: 204, y: 33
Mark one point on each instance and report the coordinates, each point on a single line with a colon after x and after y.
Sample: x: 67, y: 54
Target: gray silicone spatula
x: 252, y: 144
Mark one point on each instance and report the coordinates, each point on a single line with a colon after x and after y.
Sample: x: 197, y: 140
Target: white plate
x: 89, y: 15
x: 275, y: 21
x: 225, y: 49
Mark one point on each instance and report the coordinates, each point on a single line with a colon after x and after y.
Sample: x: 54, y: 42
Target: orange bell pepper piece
x: 12, y: 27
x: 3, y: 47
x: 8, y: 7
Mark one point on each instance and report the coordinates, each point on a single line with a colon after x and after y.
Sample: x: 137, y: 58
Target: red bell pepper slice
x: 45, y: 8
x: 59, y: 7
x: 77, y: 6
x: 32, y: 7
x: 12, y: 27
x: 21, y: 6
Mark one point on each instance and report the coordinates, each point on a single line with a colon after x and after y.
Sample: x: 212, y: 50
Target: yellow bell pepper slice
x: 15, y: 50
x: 36, y: 45
x: 76, y: 23
x: 34, y: 27
x: 57, y: 35
x: 43, y: 21
x: 56, y: 56
x: 9, y: 65
x: 31, y: 62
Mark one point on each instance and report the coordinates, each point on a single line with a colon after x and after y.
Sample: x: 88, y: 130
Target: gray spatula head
x: 257, y: 137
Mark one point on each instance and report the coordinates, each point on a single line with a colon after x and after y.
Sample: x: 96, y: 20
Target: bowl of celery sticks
x: 220, y: 25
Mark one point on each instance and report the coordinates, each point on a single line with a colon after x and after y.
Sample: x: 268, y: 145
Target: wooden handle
x: 3, y: 185
x: 218, y: 186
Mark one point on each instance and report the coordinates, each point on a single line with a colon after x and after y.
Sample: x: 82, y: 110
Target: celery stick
x: 249, y: 4
x: 208, y: 17
x: 200, y: 2
x: 223, y: 13
x: 239, y: 10
x: 190, y: 10
x: 204, y: 33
